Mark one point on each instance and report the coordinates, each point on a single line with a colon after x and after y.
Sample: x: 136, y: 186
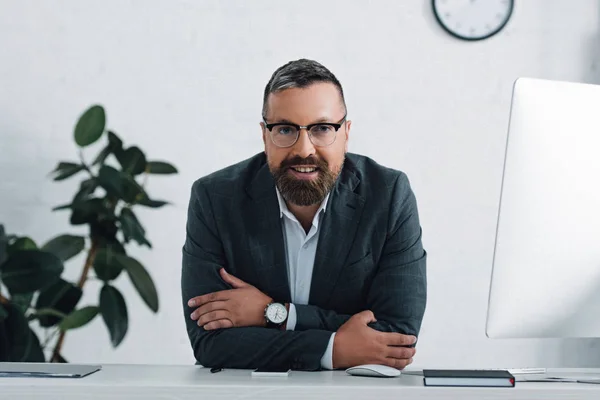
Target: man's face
x: 305, y: 172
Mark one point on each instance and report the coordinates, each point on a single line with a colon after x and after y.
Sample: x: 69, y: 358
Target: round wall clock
x: 472, y: 19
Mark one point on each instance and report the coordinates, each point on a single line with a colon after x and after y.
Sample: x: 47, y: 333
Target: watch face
x: 472, y: 19
x: 276, y: 313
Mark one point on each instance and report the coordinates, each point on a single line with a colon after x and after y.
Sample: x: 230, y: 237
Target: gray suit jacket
x: 369, y: 257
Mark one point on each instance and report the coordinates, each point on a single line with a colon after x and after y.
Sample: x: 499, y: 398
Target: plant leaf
x: 105, y: 227
x: 23, y: 343
x: 101, y: 157
x: 133, y: 161
x: 4, y: 344
x: 106, y: 265
x: 90, y: 126
x: 132, y: 191
x: 65, y: 170
x: 86, y: 189
x: 78, y: 318
x: 22, y: 301
x: 43, y: 312
x: 3, y: 246
x: 110, y: 179
x: 114, y: 142
x: 132, y: 229
x: 87, y: 211
x: 27, y: 271
x: 112, y: 244
x: 65, y: 247
x: 141, y: 281
x: 114, y: 146
x: 22, y: 243
x: 114, y: 313
x: 61, y: 296
x: 160, y: 167
x: 145, y: 201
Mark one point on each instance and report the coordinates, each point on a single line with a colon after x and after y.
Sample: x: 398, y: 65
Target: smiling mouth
x: 304, y: 169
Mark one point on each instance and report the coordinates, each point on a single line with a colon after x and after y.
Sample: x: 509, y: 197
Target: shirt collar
x: 283, y: 209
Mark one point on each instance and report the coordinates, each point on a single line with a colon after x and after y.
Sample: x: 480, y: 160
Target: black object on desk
x: 595, y: 381
x: 46, y: 370
x: 459, y: 377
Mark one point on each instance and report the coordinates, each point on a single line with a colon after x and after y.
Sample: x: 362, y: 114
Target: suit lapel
x: 265, y: 236
x: 340, y: 223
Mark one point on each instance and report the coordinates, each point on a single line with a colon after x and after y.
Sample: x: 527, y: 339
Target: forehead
x: 303, y: 105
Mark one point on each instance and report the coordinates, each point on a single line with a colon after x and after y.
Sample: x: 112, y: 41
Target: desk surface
x: 194, y: 382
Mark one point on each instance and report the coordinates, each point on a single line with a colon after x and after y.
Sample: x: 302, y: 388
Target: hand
x: 355, y: 343
x: 244, y: 305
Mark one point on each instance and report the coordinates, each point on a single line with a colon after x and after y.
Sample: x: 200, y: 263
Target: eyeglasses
x: 286, y: 134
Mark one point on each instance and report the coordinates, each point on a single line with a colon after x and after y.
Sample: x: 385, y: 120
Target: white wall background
x: 184, y: 80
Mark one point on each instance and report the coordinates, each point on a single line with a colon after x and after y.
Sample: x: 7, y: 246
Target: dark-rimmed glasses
x: 286, y: 134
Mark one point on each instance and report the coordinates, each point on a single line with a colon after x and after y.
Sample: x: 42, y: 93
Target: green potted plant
x: 32, y: 289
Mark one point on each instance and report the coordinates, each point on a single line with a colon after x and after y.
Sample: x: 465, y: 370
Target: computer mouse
x: 375, y: 370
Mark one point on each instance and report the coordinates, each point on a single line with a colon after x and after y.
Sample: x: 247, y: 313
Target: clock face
x: 472, y: 19
x: 276, y: 313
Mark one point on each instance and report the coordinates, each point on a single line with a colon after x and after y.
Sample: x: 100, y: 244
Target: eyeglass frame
x: 308, y: 127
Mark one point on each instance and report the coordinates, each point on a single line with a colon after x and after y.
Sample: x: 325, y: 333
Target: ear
x: 347, y: 134
x: 264, y: 133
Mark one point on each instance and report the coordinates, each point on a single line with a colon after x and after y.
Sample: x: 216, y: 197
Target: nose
x: 303, y: 146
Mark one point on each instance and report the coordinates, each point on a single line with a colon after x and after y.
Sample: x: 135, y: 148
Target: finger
x: 208, y: 307
x: 213, y: 316
x: 220, y: 324
x: 400, y: 353
x: 366, y: 317
x: 214, y: 296
x: 398, y: 339
x: 396, y: 363
x: 232, y: 280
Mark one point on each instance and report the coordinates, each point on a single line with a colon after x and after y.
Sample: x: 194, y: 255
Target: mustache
x: 296, y: 161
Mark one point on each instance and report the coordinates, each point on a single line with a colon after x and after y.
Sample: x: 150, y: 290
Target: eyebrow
x: 318, y: 121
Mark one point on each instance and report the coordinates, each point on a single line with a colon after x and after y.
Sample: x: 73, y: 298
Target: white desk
x: 197, y: 383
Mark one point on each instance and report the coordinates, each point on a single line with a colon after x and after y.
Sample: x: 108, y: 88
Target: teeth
x: 305, y: 169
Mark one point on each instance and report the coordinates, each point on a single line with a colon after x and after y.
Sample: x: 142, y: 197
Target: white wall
x: 184, y: 80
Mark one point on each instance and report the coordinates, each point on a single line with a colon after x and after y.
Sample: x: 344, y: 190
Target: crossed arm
x: 226, y: 326
x: 239, y: 347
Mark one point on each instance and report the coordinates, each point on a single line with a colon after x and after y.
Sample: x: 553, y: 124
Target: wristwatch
x: 275, y: 314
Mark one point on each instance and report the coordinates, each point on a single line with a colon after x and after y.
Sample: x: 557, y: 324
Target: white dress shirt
x: 301, y: 248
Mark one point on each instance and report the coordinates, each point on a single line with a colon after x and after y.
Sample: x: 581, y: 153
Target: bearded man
x: 304, y: 256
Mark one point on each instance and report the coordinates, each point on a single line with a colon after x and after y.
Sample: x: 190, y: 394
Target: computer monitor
x: 545, y: 279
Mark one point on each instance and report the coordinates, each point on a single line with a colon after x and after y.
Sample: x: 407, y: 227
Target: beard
x: 305, y: 192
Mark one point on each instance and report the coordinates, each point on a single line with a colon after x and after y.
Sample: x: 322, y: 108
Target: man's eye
x: 322, y: 129
x: 285, y: 130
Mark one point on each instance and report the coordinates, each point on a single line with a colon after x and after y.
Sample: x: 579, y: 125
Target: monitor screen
x: 546, y: 267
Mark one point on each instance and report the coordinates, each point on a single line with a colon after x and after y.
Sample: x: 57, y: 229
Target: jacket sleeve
x: 249, y: 347
x: 398, y: 292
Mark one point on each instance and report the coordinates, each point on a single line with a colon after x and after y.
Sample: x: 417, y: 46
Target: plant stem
x: 88, y: 263
x: 85, y: 166
x: 86, y: 269
x: 49, y: 338
x: 57, y: 348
